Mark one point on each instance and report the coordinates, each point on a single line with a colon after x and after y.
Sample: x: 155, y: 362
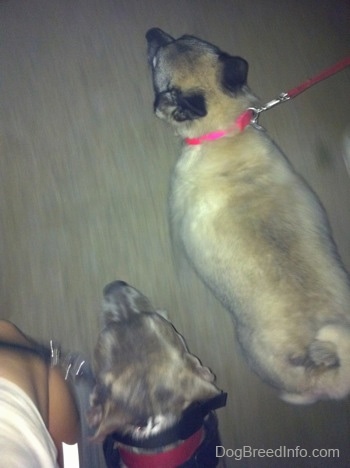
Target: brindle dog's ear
x: 189, y: 107
x: 156, y: 38
x: 235, y: 71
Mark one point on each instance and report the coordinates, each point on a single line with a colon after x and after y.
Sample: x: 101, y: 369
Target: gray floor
x: 84, y: 171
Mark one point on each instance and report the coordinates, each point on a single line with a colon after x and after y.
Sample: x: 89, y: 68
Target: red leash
x: 292, y: 93
x: 251, y: 115
x: 339, y: 66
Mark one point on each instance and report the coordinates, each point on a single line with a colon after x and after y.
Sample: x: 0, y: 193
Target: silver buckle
x: 283, y: 97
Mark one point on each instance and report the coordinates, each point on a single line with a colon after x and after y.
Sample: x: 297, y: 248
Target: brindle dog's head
x: 145, y: 375
x: 197, y: 86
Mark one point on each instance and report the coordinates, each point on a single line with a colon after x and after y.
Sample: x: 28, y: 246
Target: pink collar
x: 242, y: 121
x: 251, y: 115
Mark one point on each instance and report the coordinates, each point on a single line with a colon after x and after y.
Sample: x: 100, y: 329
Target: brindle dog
x: 145, y: 375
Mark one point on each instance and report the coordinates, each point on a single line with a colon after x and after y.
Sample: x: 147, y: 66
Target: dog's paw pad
x: 323, y: 353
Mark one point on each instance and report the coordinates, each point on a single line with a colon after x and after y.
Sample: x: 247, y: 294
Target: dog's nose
x: 113, y: 286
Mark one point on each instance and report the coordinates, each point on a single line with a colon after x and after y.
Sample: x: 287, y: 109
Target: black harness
x: 196, y: 416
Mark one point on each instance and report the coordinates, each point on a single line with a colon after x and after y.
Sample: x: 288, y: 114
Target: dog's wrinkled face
x: 192, y: 78
x: 145, y: 375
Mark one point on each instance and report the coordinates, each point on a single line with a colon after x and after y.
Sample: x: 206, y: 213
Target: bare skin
x: 45, y: 385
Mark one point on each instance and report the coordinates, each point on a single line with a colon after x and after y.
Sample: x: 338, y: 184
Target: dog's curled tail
x: 328, y: 367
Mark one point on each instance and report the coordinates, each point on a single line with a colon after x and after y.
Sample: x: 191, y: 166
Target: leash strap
x: 339, y: 66
x: 41, y: 351
x: 254, y: 113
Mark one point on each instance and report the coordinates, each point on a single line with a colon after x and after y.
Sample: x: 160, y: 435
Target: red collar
x: 242, y: 121
x: 168, y: 459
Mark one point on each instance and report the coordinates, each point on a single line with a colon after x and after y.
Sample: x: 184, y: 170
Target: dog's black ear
x: 156, y: 38
x: 235, y: 71
x: 190, y: 107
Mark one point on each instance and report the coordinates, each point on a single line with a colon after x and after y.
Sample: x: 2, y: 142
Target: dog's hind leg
x: 326, y: 367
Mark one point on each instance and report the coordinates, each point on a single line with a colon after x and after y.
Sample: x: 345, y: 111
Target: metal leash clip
x: 256, y: 111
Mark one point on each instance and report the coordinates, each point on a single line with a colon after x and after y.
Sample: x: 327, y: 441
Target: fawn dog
x: 252, y: 229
